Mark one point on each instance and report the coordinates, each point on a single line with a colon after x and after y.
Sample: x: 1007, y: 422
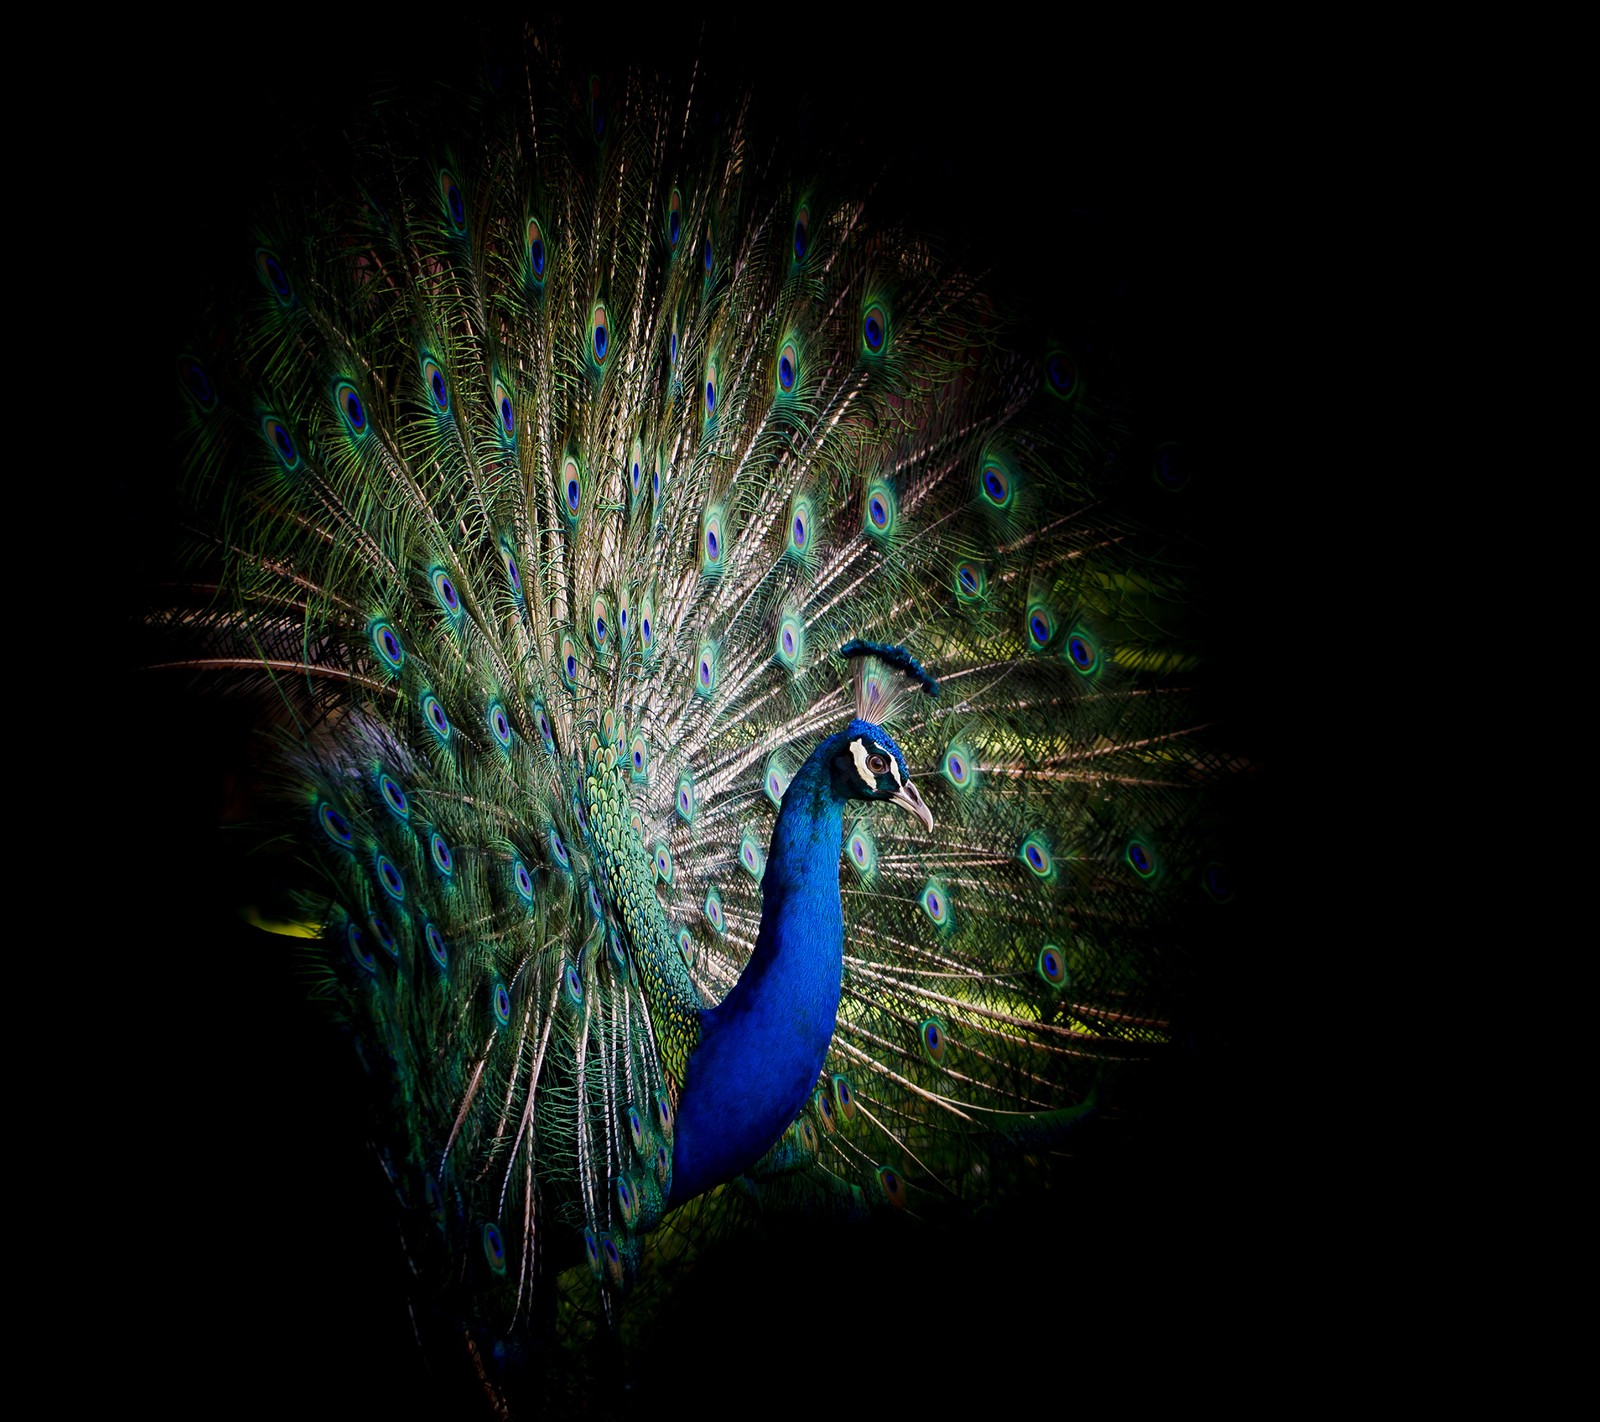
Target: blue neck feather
x: 762, y: 1047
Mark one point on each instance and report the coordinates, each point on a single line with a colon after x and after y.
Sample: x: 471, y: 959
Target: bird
x: 735, y: 726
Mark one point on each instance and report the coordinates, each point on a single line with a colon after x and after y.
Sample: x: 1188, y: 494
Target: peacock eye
x: 878, y: 764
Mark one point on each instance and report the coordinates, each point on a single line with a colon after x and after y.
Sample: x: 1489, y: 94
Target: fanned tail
x: 541, y: 474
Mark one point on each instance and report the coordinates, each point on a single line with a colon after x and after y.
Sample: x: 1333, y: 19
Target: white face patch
x: 859, y: 753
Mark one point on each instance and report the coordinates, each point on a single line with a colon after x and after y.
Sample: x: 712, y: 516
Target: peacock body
x: 578, y: 493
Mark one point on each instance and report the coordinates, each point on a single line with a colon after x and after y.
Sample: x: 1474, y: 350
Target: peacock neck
x: 761, y: 1048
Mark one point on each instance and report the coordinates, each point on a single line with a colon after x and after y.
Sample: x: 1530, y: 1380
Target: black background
x: 1108, y: 185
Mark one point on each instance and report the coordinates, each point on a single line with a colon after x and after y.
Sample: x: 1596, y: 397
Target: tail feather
x: 538, y: 533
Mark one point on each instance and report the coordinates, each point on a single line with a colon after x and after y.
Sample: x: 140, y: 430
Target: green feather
x: 530, y: 716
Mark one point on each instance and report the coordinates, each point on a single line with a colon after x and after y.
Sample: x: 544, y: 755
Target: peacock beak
x: 909, y: 800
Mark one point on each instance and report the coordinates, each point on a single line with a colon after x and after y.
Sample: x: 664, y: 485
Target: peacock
x: 715, y: 707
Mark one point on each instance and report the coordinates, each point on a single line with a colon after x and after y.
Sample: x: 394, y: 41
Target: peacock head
x: 867, y: 765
